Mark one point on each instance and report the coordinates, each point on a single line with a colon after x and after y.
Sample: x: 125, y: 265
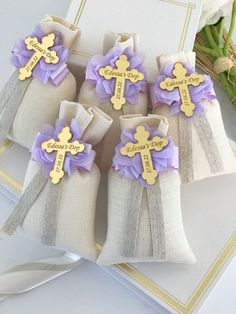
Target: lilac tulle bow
x: 81, y: 161
x: 43, y: 72
x: 197, y: 93
x: 105, y: 88
x: 132, y: 168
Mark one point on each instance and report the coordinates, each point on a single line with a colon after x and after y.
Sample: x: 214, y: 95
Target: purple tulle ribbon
x: 197, y: 93
x: 105, y: 88
x: 132, y: 168
x: 43, y: 72
x: 81, y: 161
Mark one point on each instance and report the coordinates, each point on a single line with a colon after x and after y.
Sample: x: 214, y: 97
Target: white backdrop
x: 88, y: 289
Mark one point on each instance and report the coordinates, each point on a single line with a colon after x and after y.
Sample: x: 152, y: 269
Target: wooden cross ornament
x: 144, y: 147
x: 40, y: 51
x: 181, y: 81
x: 61, y: 147
x: 121, y: 74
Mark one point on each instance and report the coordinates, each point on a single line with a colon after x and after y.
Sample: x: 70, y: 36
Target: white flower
x: 212, y: 10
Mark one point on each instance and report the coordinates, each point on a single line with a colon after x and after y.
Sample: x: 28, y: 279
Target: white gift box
x: 163, y: 26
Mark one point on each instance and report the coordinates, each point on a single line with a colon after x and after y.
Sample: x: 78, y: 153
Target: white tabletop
x: 87, y: 289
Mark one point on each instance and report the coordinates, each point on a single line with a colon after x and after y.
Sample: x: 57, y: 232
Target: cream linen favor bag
x: 144, y: 211
x: 115, y: 83
x: 188, y: 100
x: 55, y: 210
x: 32, y: 95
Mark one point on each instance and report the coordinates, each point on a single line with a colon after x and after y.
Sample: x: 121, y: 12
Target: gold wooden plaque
x: 143, y: 147
x: 121, y: 74
x: 40, y: 51
x: 61, y: 147
x: 181, y: 81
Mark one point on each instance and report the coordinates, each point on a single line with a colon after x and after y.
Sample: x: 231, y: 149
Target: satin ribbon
x: 26, y: 277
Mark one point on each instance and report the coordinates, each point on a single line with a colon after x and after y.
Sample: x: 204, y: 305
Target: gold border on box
x: 188, y: 7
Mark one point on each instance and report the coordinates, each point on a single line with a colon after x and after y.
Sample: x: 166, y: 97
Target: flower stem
x: 218, y: 52
x: 215, y: 34
x: 212, y: 44
x: 221, y: 32
x: 230, y: 32
x: 232, y: 73
x: 209, y: 51
x: 209, y: 36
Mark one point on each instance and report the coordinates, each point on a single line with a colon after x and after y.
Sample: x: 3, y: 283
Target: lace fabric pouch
x: 199, y: 133
x: 62, y: 214
x: 103, y: 91
x: 32, y: 95
x: 144, y: 207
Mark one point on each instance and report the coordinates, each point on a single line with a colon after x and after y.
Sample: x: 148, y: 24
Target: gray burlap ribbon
x: 25, y: 202
x: 51, y: 213
x: 186, y: 147
x: 27, y: 199
x: 10, y: 99
x: 208, y: 143
x: 156, y: 220
x: 133, y: 205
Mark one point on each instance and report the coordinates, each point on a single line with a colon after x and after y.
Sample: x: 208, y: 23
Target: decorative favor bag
x: 32, y: 95
x: 59, y: 210
x: 144, y: 212
x: 188, y: 100
x: 115, y: 83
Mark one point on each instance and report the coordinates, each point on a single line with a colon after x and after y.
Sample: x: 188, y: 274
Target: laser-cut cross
x: 121, y: 74
x: 143, y: 147
x: 40, y: 51
x: 181, y: 81
x: 61, y: 147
